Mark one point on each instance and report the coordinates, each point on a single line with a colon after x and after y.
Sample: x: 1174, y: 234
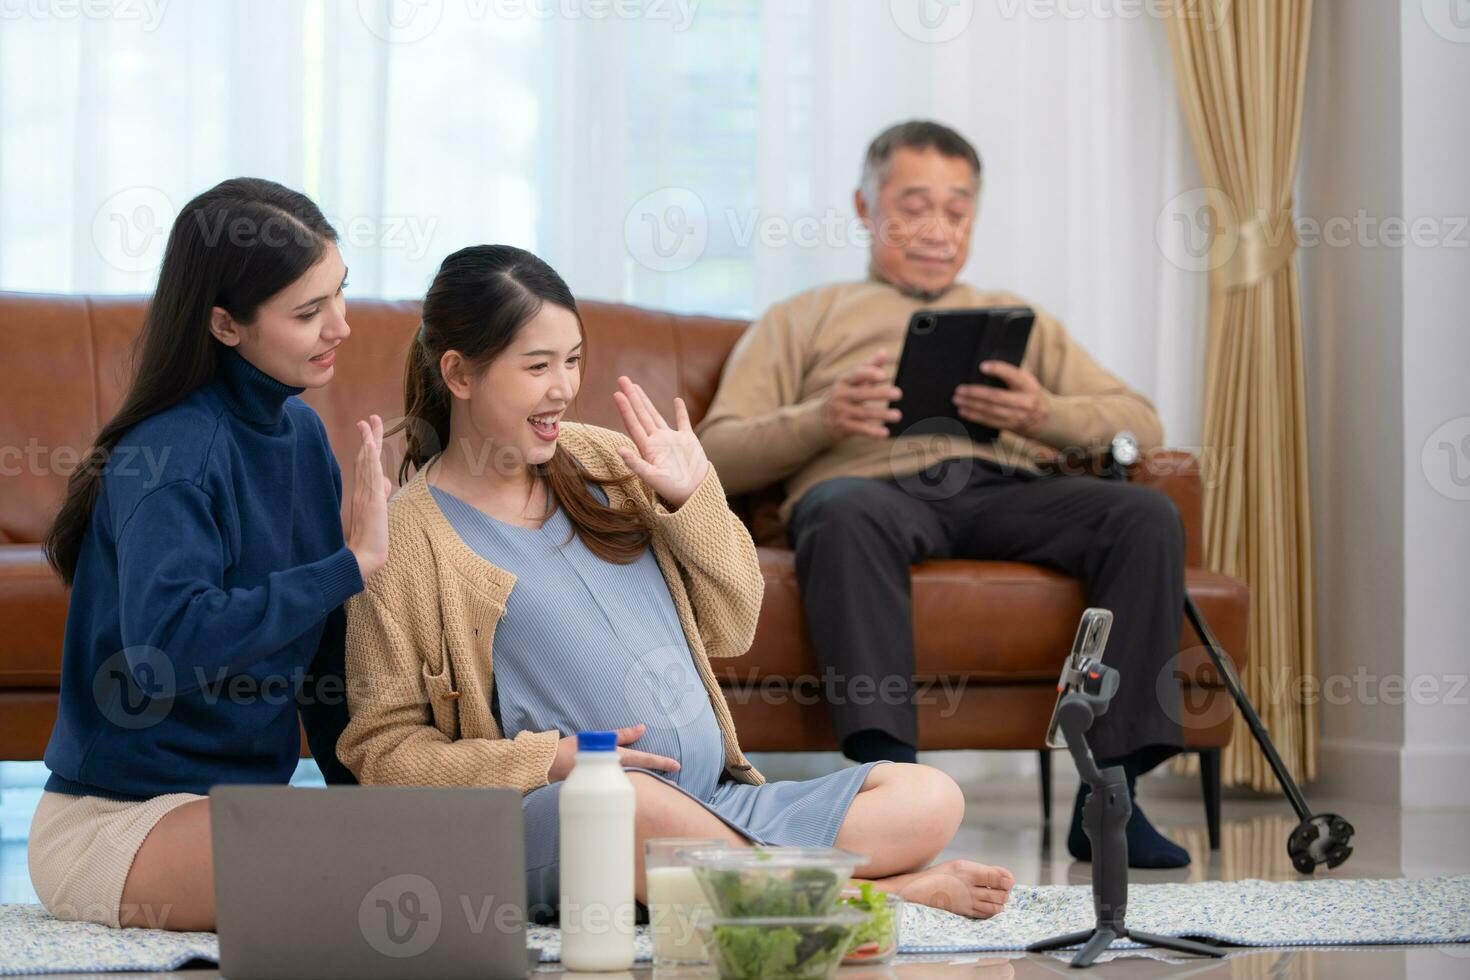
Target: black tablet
x: 942, y: 350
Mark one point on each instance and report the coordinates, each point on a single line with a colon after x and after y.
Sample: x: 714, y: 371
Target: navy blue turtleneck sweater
x: 206, y: 607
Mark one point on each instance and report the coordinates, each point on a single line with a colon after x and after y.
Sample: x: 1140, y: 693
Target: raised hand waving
x: 669, y: 459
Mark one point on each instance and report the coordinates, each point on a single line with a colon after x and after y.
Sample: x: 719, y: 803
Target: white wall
x: 1436, y: 450
x: 1386, y: 137
x: 1352, y: 300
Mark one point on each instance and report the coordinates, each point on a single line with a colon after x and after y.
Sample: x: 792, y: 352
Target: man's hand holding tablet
x: 1022, y: 406
x: 858, y: 403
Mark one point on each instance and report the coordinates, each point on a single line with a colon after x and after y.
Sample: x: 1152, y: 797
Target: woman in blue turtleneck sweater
x: 208, y: 567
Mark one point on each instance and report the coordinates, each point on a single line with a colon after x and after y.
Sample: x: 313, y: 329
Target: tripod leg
x: 1179, y: 945
x: 1247, y: 710
x: 1060, y: 942
x: 1100, y: 941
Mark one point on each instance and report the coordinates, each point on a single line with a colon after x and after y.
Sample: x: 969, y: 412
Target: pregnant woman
x: 547, y: 577
x: 203, y: 543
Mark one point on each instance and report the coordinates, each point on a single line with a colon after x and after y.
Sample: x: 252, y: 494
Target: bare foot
x: 966, y: 888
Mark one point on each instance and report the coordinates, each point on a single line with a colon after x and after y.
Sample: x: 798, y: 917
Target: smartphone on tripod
x: 1087, y: 650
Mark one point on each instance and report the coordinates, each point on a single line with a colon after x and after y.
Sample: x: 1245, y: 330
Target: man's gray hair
x: 916, y: 134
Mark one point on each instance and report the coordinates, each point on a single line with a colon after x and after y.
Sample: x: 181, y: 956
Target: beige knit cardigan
x: 420, y: 636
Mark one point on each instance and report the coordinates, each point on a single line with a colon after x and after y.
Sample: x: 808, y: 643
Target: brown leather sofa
x: 996, y: 631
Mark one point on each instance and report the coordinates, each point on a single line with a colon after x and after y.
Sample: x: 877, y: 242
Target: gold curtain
x: 1241, y: 71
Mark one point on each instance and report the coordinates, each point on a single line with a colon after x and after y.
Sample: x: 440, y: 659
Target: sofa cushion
x: 773, y: 718
x: 1019, y: 622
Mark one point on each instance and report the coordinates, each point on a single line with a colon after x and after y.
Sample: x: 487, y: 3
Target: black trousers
x: 855, y: 538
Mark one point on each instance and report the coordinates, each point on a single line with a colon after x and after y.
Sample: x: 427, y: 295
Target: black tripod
x: 1319, y: 838
x: 1105, y: 818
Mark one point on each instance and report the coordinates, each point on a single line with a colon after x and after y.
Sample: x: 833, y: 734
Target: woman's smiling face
x: 295, y: 334
x: 514, y: 406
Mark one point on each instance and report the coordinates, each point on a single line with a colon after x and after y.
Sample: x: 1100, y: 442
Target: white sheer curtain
x: 692, y: 154
x: 697, y: 155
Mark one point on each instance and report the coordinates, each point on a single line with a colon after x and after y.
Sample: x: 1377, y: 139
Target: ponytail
x: 425, y: 424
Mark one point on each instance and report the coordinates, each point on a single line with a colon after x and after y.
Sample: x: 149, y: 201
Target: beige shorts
x: 82, y: 847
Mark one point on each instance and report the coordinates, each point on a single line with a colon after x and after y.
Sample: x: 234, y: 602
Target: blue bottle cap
x: 597, y: 741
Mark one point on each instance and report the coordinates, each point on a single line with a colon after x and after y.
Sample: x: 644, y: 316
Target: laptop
x: 370, y: 882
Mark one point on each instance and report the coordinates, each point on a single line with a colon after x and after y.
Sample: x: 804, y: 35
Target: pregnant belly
x: 659, y: 689
x: 664, y: 693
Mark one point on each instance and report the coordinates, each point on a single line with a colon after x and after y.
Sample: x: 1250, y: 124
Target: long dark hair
x: 477, y: 303
x: 234, y: 246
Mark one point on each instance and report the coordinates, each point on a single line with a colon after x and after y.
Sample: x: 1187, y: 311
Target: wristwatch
x: 1122, y: 453
x: 1125, y: 448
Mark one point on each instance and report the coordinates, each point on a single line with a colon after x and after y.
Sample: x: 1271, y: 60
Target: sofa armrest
x: 32, y: 618
x: 1176, y: 474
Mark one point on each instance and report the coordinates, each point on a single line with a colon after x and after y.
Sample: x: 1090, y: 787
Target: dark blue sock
x: 876, y: 745
x: 1147, y: 848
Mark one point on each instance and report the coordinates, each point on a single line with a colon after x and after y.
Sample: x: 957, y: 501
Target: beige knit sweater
x: 420, y: 636
x: 765, y: 423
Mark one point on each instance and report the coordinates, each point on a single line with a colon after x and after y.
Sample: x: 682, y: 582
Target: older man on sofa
x: 804, y: 401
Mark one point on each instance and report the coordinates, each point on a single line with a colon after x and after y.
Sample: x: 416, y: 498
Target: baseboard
x: 1353, y: 769
x: 1428, y: 777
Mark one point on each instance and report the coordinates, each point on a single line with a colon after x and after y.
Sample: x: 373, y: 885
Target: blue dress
x: 589, y: 645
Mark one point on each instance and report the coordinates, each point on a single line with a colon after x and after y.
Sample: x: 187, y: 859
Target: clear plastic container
x: 876, y: 939
x: 769, y: 882
x: 778, y: 947
x: 674, y: 896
